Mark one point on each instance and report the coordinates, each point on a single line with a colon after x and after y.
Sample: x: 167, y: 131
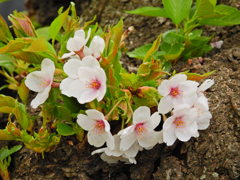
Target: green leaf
x: 177, y: 10
x: 43, y: 32
x: 6, y: 61
x: 65, y: 130
x: 57, y: 24
x: 205, y: 9
x: 23, y: 92
x: 5, y: 152
x: 149, y: 11
x: 198, y: 77
x: 10, y: 105
x: 140, y: 52
x: 153, y: 49
x: 196, y: 45
x: 172, y: 45
x: 228, y: 16
x: 5, y: 34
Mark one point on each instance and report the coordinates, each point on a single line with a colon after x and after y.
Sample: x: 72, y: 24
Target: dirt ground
x: 214, y: 155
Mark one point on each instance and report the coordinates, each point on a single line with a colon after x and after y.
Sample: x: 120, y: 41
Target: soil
x: 214, y: 155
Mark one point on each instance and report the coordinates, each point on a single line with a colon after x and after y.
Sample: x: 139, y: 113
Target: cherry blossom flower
x: 115, y: 155
x: 203, y: 114
x: 98, y: 128
x: 96, y: 47
x: 77, y: 43
x: 41, y: 81
x: 86, y: 81
x: 78, y: 49
x: 142, y: 129
x: 181, y: 125
x: 176, y: 91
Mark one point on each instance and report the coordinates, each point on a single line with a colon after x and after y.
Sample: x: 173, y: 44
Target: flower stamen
x: 139, y: 128
x: 174, y: 91
x: 99, y: 126
x: 179, y: 122
x: 95, y: 84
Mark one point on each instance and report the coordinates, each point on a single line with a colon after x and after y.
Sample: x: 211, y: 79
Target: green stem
x: 114, y: 107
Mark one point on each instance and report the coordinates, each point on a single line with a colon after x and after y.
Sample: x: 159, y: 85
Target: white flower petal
x: 75, y: 43
x: 48, y: 66
x: 90, y: 61
x: 176, y: 79
x: 189, y: 87
x: 110, y: 140
x: 110, y: 159
x: 37, y: 81
x: 133, y: 150
x: 101, y: 150
x: 85, y: 122
x: 71, y: 68
x: 141, y: 114
x: 87, y: 95
x: 183, y: 134
x: 165, y: 105
x: 148, y: 139
x: 41, y: 97
x: 95, y: 114
x: 205, y: 85
x: 80, y: 33
x: 95, y: 138
x: 71, y: 87
x: 204, y: 120
x: 154, y: 121
x: 164, y: 88
x: 169, y: 136
x: 128, y: 137
x: 67, y: 55
x: 102, y: 92
x: 97, y: 45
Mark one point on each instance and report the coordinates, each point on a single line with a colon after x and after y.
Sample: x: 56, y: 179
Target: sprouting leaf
x: 22, y: 25
x: 10, y: 105
x: 6, y: 61
x: 140, y: 52
x: 153, y: 49
x: 149, y: 11
x: 5, y: 34
x: 43, y: 32
x: 23, y: 92
x: 65, y: 130
x: 228, y: 16
x: 5, y: 152
x: 205, y: 9
x: 177, y: 10
x: 198, y: 77
x: 57, y: 24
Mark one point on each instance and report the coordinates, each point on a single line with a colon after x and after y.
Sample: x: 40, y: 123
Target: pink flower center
x: 140, y: 128
x: 179, y: 122
x: 100, y: 126
x: 95, y: 84
x: 45, y: 82
x: 174, y: 91
x: 80, y: 53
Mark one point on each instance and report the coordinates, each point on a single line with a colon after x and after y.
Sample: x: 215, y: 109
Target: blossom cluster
x: 190, y: 113
x: 182, y: 101
x: 86, y: 80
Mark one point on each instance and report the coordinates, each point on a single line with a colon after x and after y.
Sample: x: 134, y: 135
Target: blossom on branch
x: 86, y: 81
x: 98, y: 128
x: 142, y: 130
x: 176, y: 91
x: 181, y: 125
x: 41, y: 81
